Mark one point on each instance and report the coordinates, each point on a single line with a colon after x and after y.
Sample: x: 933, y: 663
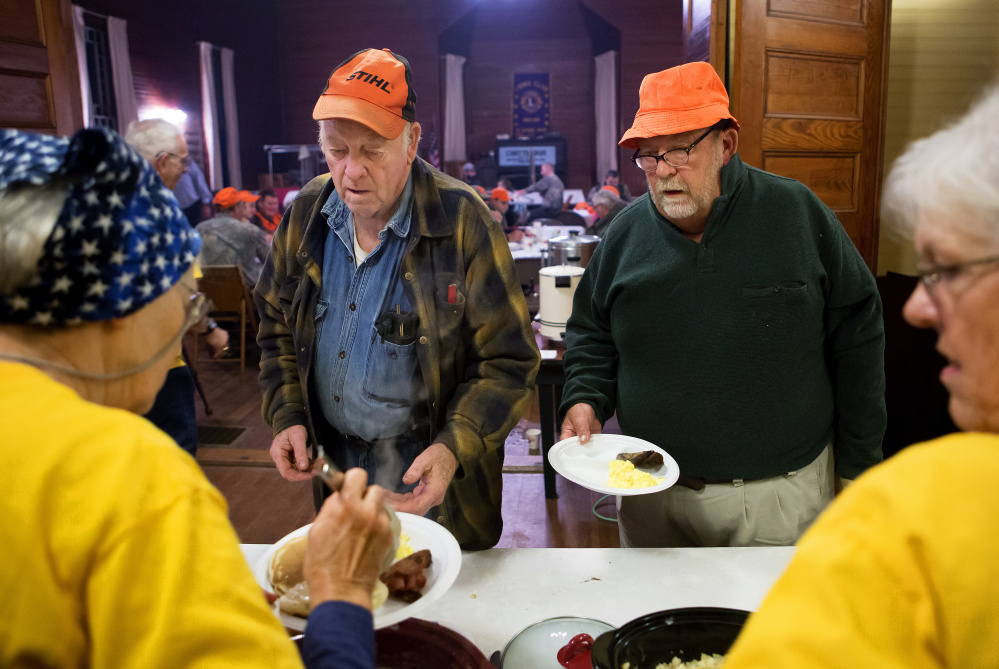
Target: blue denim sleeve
x: 340, y: 635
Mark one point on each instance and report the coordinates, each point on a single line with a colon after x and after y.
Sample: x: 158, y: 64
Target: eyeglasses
x: 673, y: 157
x: 932, y: 276
x: 185, y: 161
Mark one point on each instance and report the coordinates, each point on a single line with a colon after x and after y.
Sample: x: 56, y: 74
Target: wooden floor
x: 264, y: 507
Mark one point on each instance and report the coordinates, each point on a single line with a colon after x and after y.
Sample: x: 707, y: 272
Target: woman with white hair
x: 116, y: 550
x: 900, y: 571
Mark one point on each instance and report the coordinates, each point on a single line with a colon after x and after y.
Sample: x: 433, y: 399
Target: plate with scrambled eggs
x: 594, y: 465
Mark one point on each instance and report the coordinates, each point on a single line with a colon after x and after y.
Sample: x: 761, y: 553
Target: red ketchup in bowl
x: 576, y: 653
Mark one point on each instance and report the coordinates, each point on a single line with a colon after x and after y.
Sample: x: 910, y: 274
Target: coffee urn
x: 558, y: 285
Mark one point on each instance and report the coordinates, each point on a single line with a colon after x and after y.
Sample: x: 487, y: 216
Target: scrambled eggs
x: 405, y: 549
x: 624, y: 475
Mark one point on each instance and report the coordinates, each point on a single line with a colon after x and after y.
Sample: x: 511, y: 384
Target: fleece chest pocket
x: 390, y: 371
x: 776, y: 305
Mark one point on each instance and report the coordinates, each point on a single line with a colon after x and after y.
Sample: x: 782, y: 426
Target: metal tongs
x: 328, y: 472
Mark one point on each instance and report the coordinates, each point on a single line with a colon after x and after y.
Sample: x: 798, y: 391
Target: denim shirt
x: 365, y: 384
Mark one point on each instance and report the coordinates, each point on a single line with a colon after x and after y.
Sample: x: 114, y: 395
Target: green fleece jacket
x: 741, y: 355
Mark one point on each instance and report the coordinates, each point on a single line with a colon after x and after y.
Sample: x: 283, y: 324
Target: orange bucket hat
x: 373, y: 87
x: 612, y: 190
x: 680, y: 99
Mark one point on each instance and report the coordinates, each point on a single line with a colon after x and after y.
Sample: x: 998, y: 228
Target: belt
x: 697, y: 483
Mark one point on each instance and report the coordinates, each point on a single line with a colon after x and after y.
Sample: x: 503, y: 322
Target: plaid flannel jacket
x: 477, y: 352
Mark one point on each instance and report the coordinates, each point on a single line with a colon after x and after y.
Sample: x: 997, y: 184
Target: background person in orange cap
x: 394, y: 331
x: 613, y: 178
x: 727, y: 317
x: 230, y: 240
x: 267, y: 216
x: 501, y: 212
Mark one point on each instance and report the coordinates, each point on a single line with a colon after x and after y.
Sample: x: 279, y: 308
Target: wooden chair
x: 570, y: 218
x: 230, y: 298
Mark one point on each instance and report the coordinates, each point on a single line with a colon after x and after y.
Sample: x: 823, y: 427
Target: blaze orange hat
x: 501, y: 194
x: 680, y: 99
x: 611, y: 189
x: 373, y: 87
x: 230, y: 197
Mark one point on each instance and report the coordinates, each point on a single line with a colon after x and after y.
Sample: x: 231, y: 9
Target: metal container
x: 558, y: 285
x: 572, y: 249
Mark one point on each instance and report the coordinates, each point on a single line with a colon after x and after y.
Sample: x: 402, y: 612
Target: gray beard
x: 690, y: 204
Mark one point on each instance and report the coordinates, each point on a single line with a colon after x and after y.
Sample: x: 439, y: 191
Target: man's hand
x: 496, y: 216
x: 580, y: 421
x: 433, y: 468
x: 289, y: 453
x: 347, y: 543
x: 515, y: 235
x: 218, y: 342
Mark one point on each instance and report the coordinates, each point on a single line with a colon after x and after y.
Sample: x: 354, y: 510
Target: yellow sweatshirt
x: 900, y: 571
x: 115, y: 551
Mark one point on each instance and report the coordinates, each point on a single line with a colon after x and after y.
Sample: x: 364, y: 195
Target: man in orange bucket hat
x: 727, y: 318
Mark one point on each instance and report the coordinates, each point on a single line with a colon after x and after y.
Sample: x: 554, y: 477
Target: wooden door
x: 808, y: 85
x: 39, y: 79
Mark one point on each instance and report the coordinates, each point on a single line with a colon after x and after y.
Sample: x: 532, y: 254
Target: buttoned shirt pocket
x: 390, y: 370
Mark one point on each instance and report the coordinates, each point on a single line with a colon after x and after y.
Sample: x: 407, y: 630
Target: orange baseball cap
x: 501, y: 194
x: 373, y: 87
x: 680, y: 99
x: 230, y: 197
x: 611, y: 189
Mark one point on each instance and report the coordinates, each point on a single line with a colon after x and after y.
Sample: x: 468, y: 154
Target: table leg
x: 549, y: 397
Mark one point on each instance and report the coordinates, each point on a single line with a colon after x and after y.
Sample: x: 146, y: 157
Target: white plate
x: 586, y: 464
x: 423, y: 533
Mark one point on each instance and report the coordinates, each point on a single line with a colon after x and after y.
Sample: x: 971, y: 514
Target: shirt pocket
x: 777, y: 304
x: 449, y: 301
x: 390, y: 371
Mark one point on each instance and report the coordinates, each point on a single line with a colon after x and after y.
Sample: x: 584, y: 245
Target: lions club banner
x: 531, y: 110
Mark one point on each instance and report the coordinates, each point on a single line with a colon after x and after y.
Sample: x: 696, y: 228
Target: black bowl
x: 661, y: 636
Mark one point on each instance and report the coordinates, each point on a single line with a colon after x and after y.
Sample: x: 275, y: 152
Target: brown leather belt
x: 697, y: 483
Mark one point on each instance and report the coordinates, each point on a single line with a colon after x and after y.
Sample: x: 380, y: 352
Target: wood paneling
x: 808, y: 88
x: 39, y: 80
x: 832, y: 178
x: 25, y: 100
x: 848, y: 11
x: 543, y: 35
x: 814, y: 87
x: 20, y: 22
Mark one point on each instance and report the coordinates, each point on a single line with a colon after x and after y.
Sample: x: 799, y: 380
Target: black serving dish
x: 661, y: 636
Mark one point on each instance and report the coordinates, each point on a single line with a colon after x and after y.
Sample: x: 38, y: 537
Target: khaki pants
x: 767, y: 512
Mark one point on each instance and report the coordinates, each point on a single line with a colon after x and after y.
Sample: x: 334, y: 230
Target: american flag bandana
x: 121, y: 239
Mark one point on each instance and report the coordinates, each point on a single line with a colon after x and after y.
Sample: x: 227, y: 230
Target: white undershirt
x: 359, y: 254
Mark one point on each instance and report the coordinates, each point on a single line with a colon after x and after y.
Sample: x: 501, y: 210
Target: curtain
x: 121, y: 72
x: 231, y: 123
x: 454, y: 108
x: 80, y: 37
x: 209, y: 117
x: 605, y: 102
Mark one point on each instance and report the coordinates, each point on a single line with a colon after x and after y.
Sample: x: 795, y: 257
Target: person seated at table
x: 550, y: 187
x: 607, y: 205
x: 230, y: 240
x: 504, y: 214
x: 469, y: 176
x: 613, y: 179
x: 266, y: 215
x: 117, y: 549
x: 900, y: 570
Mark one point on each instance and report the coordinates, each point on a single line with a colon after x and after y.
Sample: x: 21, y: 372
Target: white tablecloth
x: 501, y: 591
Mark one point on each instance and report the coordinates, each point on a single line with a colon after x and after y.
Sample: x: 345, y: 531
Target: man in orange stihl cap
x: 393, y: 328
x: 727, y: 318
